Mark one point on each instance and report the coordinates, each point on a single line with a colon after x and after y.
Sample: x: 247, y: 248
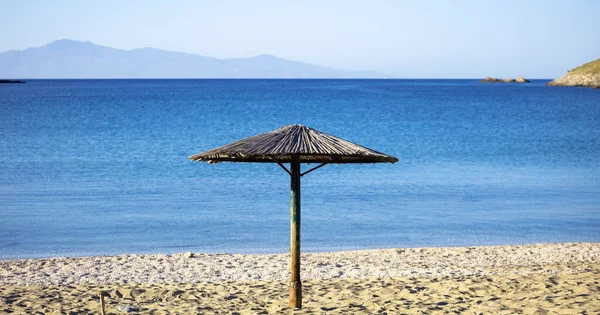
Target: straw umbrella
x: 294, y: 144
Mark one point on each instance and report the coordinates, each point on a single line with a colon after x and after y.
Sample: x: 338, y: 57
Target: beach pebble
x: 127, y: 308
x: 188, y: 255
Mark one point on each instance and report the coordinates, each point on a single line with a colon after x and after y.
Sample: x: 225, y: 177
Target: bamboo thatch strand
x: 310, y: 145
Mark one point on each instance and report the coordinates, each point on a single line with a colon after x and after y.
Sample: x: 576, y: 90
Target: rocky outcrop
x: 11, y: 81
x: 587, y: 75
x: 509, y: 80
x: 520, y: 79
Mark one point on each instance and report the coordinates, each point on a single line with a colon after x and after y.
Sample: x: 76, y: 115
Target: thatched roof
x: 309, y: 145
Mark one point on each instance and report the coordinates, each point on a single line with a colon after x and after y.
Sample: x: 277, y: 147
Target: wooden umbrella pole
x: 295, y: 284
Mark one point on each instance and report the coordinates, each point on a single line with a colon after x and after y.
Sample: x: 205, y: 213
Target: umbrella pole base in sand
x: 296, y: 294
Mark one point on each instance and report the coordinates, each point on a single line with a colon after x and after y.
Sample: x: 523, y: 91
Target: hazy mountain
x: 75, y: 59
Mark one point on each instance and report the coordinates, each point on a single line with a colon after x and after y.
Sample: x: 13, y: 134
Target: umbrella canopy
x: 294, y: 144
x: 309, y: 145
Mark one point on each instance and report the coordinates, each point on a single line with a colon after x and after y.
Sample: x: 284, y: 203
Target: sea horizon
x: 287, y: 79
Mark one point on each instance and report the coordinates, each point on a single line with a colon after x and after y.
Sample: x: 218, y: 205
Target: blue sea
x: 100, y: 167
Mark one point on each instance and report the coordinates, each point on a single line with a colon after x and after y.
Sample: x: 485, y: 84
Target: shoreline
x: 307, y: 251
x: 545, y: 278
x: 198, y: 267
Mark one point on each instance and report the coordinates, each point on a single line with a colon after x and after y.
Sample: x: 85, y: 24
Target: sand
x: 524, y: 279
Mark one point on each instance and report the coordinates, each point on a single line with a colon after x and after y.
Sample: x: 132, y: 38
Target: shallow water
x: 92, y: 167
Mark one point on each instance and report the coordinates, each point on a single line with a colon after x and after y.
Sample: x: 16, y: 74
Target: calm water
x: 92, y: 167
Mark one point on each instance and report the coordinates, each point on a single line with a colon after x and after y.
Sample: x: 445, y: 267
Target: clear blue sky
x: 410, y: 39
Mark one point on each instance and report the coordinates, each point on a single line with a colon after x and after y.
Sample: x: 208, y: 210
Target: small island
x: 587, y: 75
x: 517, y: 80
x: 11, y: 81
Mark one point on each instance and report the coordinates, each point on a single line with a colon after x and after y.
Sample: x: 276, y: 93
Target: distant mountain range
x: 76, y: 59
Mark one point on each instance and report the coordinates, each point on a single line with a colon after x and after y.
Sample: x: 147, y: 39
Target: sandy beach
x: 523, y: 279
